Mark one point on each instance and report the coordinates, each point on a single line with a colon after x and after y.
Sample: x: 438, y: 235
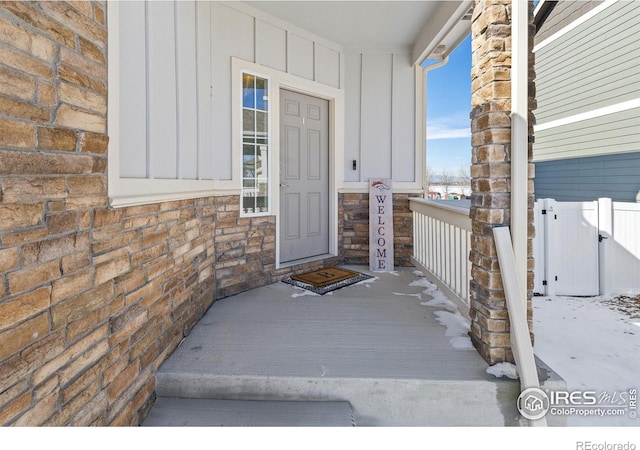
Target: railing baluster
x: 441, y: 244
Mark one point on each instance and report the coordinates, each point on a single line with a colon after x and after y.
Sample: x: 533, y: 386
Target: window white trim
x: 280, y: 80
x: 136, y: 191
x: 238, y: 127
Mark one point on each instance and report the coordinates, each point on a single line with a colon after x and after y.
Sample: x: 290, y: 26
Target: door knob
x: 282, y: 185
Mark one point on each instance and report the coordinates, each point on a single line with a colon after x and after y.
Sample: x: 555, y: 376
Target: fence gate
x: 566, y: 248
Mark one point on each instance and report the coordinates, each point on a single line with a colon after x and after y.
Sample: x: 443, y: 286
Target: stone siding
x: 491, y: 173
x: 353, y: 211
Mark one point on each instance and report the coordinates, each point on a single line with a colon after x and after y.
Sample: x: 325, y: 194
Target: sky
x: 448, y: 109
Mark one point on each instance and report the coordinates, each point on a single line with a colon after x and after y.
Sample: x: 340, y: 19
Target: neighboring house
x: 587, y: 137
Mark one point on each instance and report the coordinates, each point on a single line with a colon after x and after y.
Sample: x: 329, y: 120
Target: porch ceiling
x: 413, y: 24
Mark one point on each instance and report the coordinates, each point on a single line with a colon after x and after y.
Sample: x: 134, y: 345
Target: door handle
x: 282, y: 185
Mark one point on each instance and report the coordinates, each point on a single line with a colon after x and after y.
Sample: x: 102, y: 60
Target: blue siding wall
x: 586, y: 179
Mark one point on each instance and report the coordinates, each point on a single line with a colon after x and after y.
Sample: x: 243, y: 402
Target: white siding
x: 271, y: 46
x: 133, y: 89
x: 327, y: 65
x: 232, y: 35
x: 204, y: 84
x: 380, y: 116
x: 353, y: 102
x: 300, y: 56
x: 375, y: 126
x: 403, y: 119
x: 187, y: 80
x: 164, y: 90
x: 161, y: 73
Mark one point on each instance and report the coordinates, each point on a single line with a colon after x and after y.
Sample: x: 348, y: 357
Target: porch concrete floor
x: 373, y: 345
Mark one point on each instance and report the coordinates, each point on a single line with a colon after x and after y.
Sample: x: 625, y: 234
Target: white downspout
x: 520, y: 138
x: 423, y: 101
x: 515, y: 281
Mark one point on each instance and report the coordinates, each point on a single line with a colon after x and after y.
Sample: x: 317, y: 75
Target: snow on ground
x: 592, y: 344
x: 457, y: 326
x: 503, y: 369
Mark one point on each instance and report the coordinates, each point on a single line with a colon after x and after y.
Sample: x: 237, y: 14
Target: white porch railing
x: 441, y: 245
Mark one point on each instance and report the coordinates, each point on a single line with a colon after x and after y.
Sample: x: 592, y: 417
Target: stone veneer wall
x: 353, y: 211
x: 93, y: 299
x: 491, y: 172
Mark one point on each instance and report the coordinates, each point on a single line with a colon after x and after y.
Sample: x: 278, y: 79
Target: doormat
x: 326, y: 280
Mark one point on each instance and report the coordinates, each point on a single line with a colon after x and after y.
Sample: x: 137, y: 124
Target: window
x: 255, y: 145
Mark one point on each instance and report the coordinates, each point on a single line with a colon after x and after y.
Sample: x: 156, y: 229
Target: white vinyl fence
x: 587, y: 248
x: 441, y: 245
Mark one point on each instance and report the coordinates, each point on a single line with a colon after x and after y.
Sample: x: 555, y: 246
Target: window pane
x: 248, y: 122
x: 262, y: 195
x: 248, y: 91
x: 261, y: 162
x: 261, y: 94
x: 261, y: 124
x: 249, y: 166
x: 248, y: 204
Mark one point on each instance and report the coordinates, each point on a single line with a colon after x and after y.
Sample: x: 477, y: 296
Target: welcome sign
x: 380, y: 225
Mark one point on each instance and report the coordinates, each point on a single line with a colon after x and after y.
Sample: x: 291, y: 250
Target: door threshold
x: 296, y: 262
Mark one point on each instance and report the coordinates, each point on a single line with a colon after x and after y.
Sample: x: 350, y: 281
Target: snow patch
x: 418, y: 295
x: 457, y: 329
x: 462, y: 343
x: 422, y: 282
x: 503, y: 369
x: 455, y: 323
x: 417, y: 273
x: 439, y: 300
x: 303, y: 293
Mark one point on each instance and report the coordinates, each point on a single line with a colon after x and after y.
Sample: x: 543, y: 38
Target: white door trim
x: 280, y: 80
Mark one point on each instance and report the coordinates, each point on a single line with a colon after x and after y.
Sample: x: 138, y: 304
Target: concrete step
x: 196, y: 412
x: 374, y: 401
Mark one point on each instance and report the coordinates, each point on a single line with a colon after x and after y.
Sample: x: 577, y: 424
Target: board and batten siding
x: 174, y: 75
x: 587, y: 179
x: 380, y: 116
x: 164, y: 112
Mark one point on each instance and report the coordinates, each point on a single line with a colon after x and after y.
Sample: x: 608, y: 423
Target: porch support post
x: 502, y: 193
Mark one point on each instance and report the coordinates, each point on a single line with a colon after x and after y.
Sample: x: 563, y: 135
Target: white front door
x: 304, y: 176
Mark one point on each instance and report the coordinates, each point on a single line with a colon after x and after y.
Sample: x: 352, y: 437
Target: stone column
x: 491, y: 174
